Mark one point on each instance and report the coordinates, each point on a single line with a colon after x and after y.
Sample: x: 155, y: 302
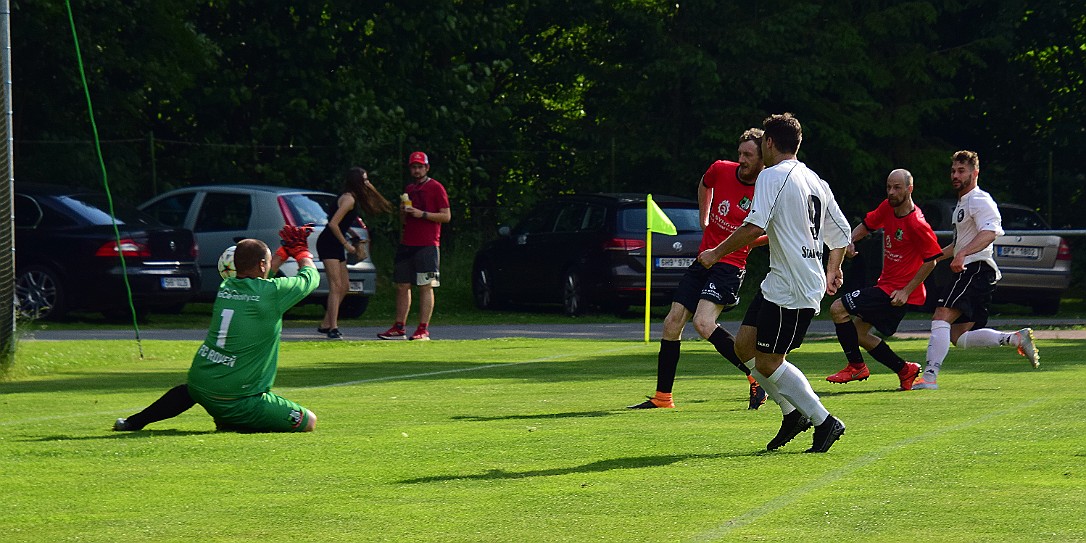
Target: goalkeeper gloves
x: 295, y: 241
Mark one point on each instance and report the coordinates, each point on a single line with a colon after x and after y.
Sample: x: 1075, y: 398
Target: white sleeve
x: 837, y: 232
x: 986, y: 215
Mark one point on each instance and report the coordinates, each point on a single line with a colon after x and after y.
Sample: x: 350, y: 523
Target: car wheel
x: 482, y: 288
x: 353, y: 307
x: 1046, y: 306
x: 572, y: 294
x: 39, y: 294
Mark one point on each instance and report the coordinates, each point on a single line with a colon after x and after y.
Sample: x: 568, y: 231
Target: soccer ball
x: 226, y: 263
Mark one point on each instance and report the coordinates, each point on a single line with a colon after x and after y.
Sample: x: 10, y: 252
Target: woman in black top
x: 333, y: 244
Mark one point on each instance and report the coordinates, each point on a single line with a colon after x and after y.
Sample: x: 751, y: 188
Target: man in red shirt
x: 724, y: 197
x: 911, y: 252
x: 425, y: 207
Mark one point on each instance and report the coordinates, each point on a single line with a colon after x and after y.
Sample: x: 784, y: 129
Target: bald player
x: 911, y: 252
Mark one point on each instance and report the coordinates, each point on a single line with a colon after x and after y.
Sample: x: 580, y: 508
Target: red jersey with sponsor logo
x: 428, y: 196
x: 730, y: 204
x: 908, y: 242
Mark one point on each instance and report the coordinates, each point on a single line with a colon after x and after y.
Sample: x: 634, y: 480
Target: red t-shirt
x: 428, y: 196
x: 908, y: 242
x: 730, y: 204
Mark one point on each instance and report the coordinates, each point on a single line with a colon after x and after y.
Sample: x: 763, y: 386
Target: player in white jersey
x: 962, y: 311
x: 797, y: 210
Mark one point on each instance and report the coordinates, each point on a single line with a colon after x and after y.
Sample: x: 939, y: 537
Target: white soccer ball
x: 226, y: 263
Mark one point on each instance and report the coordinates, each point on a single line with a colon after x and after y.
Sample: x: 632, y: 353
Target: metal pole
x: 7, y: 201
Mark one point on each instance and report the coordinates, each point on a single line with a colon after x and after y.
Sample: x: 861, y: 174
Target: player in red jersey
x: 725, y: 195
x: 910, y: 254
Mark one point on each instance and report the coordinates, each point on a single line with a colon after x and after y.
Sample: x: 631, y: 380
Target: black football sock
x: 174, y: 402
x: 850, y: 341
x: 666, y: 363
x: 725, y: 345
x: 884, y: 354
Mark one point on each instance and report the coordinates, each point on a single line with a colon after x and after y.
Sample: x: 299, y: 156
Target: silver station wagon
x: 222, y: 215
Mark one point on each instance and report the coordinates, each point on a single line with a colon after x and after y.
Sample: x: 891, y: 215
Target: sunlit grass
x: 529, y: 440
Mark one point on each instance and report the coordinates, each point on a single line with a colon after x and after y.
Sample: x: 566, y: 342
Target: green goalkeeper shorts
x: 265, y: 412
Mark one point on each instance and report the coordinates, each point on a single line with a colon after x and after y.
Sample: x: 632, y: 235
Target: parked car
x: 67, y: 255
x: 222, y: 215
x: 586, y: 250
x: 1036, y: 268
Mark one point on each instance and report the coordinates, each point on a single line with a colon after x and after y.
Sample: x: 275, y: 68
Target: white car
x: 222, y: 215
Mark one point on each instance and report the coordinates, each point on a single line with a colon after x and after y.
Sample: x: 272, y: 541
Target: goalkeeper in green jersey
x: 233, y: 370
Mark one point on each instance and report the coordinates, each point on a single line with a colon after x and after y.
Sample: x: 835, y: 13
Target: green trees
x: 1028, y: 111
x: 517, y: 100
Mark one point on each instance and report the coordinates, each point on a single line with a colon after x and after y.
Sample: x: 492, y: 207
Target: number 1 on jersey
x: 224, y: 326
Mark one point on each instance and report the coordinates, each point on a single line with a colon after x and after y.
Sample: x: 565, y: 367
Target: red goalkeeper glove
x: 295, y: 241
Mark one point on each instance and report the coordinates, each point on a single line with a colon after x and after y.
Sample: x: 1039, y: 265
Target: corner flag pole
x: 655, y: 221
x: 649, y: 204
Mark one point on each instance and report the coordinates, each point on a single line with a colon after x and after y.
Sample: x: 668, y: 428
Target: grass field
x: 527, y: 440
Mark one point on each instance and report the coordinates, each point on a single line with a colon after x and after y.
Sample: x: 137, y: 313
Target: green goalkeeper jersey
x: 241, y: 353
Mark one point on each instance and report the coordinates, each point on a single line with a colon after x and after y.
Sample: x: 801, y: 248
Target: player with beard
x: 910, y: 253
x: 797, y: 210
x: 962, y: 312
x: 725, y: 196
x: 424, y: 209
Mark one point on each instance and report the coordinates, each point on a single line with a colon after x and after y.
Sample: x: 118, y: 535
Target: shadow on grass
x: 830, y: 393
x: 571, y: 415
x: 142, y: 434
x: 330, y: 369
x: 333, y: 371
x: 636, y: 462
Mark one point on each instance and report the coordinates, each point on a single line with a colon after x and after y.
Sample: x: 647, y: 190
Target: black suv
x: 586, y: 250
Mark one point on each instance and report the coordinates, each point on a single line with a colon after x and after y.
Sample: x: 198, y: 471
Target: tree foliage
x: 518, y: 100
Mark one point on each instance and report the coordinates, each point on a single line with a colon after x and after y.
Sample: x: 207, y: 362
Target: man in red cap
x: 423, y: 209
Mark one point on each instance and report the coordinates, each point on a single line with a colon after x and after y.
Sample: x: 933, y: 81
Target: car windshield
x: 94, y: 208
x: 685, y: 219
x: 310, y: 208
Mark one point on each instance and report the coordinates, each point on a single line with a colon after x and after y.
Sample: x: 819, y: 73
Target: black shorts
x: 328, y: 247
x: 417, y: 265
x: 780, y: 330
x: 873, y: 306
x: 970, y: 292
x: 718, y: 284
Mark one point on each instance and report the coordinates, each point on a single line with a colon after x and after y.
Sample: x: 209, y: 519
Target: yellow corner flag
x: 656, y: 221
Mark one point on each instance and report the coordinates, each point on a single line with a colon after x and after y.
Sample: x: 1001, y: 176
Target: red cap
x: 418, y: 157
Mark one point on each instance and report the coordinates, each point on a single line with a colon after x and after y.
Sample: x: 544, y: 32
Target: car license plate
x: 176, y: 283
x: 1011, y: 251
x: 356, y: 286
x: 674, y: 262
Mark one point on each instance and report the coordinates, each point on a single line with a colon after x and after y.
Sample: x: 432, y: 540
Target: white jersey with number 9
x: 797, y: 210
